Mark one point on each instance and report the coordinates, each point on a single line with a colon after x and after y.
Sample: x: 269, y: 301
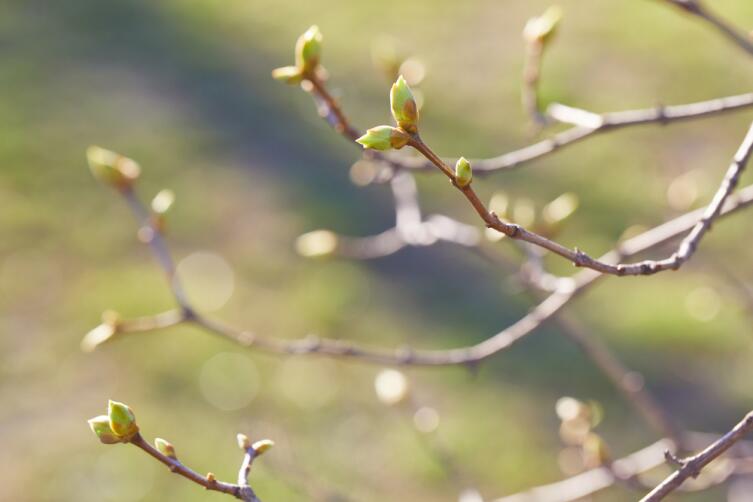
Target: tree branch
x: 460, y: 356
x: 692, y: 466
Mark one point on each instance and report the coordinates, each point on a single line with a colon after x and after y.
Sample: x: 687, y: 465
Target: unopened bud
x: 163, y: 201
x: 165, y: 447
x: 211, y: 478
x: 403, y: 105
x: 384, y: 138
x: 122, y: 420
x: 111, y: 168
x: 288, y: 74
x: 316, y: 243
x: 308, y: 49
x: 262, y: 445
x: 101, y: 427
x: 463, y: 172
x: 541, y: 29
x: 243, y: 442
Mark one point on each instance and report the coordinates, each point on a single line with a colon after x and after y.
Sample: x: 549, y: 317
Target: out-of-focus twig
x: 460, y: 356
x: 699, y: 9
x: 691, y: 467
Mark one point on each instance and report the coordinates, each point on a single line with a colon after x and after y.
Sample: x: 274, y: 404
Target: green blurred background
x: 183, y: 87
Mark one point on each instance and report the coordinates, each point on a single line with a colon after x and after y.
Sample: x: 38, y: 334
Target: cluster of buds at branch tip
x: 112, y: 168
x: 541, y: 29
x: 118, y: 426
x: 463, y: 172
x: 308, y: 50
x: 405, y: 113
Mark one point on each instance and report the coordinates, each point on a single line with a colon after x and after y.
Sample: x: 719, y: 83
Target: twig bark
x: 692, y: 466
x: 239, y: 491
x: 460, y: 356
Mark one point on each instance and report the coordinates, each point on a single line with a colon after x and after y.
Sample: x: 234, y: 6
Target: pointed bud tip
x: 288, y: 74
x: 262, y: 446
x: 463, y: 172
x: 111, y: 168
x: 122, y: 420
x: 243, y: 442
x: 403, y: 105
x: 165, y: 447
x: 100, y: 426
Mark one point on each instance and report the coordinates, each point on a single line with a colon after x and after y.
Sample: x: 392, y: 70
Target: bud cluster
x: 118, y: 426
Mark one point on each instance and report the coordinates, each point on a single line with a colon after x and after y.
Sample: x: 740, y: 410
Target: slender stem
x: 178, y: 468
x: 475, y: 353
x: 691, y: 467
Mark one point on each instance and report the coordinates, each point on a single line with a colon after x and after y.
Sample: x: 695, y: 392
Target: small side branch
x: 691, y: 467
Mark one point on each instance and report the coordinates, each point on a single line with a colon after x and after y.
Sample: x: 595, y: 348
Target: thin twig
x: 608, y: 122
x: 697, y: 8
x: 692, y: 466
x: 465, y: 355
x: 239, y: 491
x: 685, y: 250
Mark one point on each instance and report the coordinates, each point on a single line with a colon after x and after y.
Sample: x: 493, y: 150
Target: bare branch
x: 239, y: 491
x: 692, y: 466
x: 459, y: 356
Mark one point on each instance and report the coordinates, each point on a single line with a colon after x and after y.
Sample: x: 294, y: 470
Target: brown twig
x: 240, y: 491
x: 685, y: 250
x: 692, y: 466
x: 460, y: 356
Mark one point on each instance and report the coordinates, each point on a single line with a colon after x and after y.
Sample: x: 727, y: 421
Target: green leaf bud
x: 288, y: 74
x: 541, y: 29
x: 122, y: 420
x: 243, y: 442
x: 463, y: 172
x: 261, y: 446
x: 101, y: 427
x: 308, y: 49
x: 403, y: 105
x: 384, y: 138
x: 111, y: 168
x: 165, y: 447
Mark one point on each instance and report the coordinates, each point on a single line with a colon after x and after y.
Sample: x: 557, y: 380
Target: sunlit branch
x: 460, y: 356
x: 691, y: 467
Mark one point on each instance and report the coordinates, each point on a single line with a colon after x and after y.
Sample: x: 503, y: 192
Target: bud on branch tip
x: 463, y: 172
x: 261, y: 446
x: 541, y: 29
x: 308, y: 50
x: 122, y: 420
x: 403, y: 105
x: 384, y: 138
x: 111, y: 168
x: 101, y: 427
